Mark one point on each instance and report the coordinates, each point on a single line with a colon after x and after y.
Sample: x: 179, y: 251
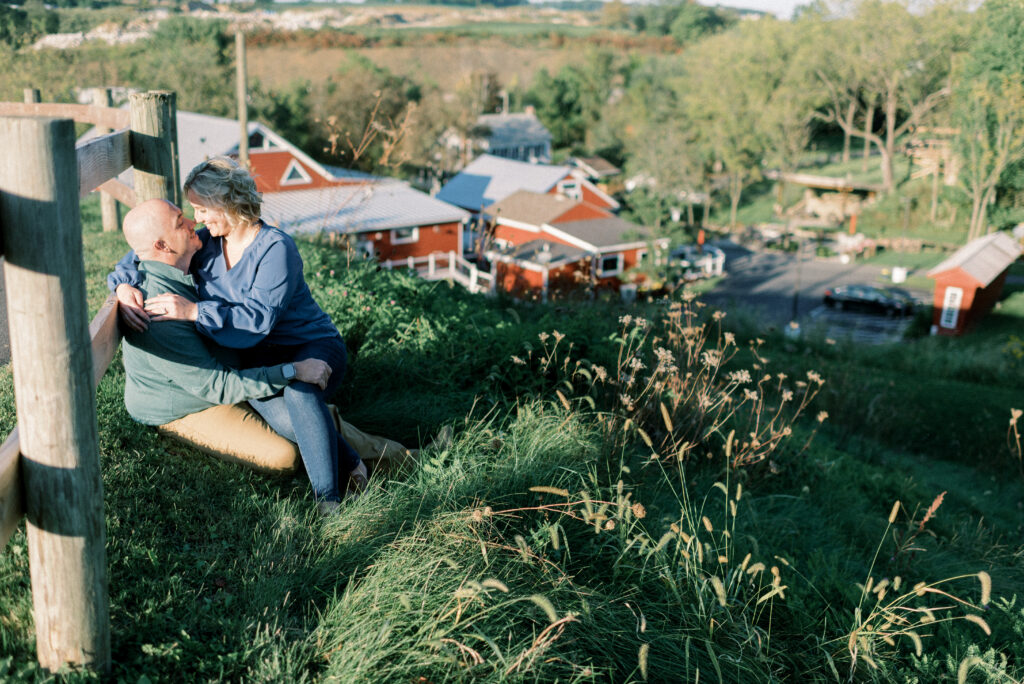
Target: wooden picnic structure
x: 49, y: 465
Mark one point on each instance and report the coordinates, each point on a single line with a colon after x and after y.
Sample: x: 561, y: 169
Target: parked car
x: 698, y: 262
x: 890, y: 301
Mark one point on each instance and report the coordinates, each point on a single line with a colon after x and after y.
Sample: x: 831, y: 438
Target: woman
x: 253, y: 297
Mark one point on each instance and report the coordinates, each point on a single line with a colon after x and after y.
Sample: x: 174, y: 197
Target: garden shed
x: 968, y: 284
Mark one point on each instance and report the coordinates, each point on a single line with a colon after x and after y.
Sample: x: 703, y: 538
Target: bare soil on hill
x: 444, y: 65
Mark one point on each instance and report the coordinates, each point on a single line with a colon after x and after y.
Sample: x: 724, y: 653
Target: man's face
x: 181, y: 234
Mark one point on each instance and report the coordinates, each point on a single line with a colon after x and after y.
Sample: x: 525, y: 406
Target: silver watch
x: 289, y: 371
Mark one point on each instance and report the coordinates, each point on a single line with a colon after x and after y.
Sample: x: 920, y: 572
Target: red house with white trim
x: 549, y: 242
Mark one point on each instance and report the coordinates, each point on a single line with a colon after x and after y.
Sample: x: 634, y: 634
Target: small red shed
x: 968, y: 284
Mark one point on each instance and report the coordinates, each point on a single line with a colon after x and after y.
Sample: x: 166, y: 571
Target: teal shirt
x: 170, y: 372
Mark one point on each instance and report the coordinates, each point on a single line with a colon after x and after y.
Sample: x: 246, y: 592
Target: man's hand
x: 130, y: 307
x: 313, y: 371
x: 171, y: 307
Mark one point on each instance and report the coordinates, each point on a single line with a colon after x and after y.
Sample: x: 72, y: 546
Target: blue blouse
x: 262, y: 297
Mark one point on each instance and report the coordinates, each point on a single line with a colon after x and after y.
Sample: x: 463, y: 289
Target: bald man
x: 178, y: 381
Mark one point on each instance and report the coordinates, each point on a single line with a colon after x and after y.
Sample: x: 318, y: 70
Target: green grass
x: 610, y: 571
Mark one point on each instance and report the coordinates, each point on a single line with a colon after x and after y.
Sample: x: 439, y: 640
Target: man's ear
x: 161, y: 246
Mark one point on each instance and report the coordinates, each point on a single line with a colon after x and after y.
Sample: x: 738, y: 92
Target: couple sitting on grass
x: 223, y: 315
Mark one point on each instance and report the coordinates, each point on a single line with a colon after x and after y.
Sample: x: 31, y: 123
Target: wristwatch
x: 289, y: 371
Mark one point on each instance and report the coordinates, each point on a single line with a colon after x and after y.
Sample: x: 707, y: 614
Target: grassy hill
x: 626, y: 499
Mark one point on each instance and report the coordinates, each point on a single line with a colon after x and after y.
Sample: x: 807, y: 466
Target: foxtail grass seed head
x: 639, y: 511
x: 719, y: 588
x: 893, y: 512
x: 642, y: 658
x: 822, y: 416
x: 986, y: 587
x: 1015, y: 415
x: 978, y: 620
x: 707, y: 523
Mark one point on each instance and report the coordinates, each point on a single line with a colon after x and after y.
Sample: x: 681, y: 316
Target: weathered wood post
x: 32, y: 96
x: 53, y: 384
x: 155, y: 146
x: 242, y: 93
x: 109, y: 211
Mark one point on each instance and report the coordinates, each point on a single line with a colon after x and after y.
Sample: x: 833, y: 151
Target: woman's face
x: 215, y: 219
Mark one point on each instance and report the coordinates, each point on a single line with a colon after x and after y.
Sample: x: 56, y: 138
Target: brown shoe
x: 443, y: 440
x: 358, y: 480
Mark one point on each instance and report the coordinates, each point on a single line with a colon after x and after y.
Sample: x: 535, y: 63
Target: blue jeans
x: 299, y: 413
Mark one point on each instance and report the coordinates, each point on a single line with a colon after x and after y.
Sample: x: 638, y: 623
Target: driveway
x: 773, y: 288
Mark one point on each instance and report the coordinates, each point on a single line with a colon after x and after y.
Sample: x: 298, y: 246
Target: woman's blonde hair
x: 222, y: 183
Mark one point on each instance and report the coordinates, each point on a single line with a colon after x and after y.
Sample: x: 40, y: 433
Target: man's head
x: 157, y: 231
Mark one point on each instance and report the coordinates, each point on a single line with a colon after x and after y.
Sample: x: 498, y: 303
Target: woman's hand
x: 313, y: 371
x: 171, y: 307
x: 130, y: 307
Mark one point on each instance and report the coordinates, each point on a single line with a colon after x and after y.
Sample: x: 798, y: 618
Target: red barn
x: 968, y: 284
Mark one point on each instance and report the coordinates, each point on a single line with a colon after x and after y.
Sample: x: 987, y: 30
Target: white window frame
x: 296, y: 166
x: 572, y: 189
x: 951, y: 301
x: 602, y: 272
x: 414, y: 236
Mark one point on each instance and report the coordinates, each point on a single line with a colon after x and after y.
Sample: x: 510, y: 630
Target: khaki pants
x: 237, y: 434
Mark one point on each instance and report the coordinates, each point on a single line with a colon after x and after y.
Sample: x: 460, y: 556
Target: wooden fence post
x: 109, y: 211
x: 32, y: 96
x: 155, y: 146
x: 54, y: 394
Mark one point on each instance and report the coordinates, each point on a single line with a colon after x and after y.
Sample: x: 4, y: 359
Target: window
x: 401, y: 236
x: 295, y: 175
x: 641, y: 254
x: 951, y: 307
x: 609, y: 265
x: 570, y: 189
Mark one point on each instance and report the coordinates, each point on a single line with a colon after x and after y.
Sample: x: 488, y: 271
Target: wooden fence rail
x: 49, y: 465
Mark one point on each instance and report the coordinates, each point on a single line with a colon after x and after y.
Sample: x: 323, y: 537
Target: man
x: 176, y: 381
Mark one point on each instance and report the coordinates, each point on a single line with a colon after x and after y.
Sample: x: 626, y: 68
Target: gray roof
x: 982, y: 259
x: 595, y: 167
x: 382, y: 205
x: 543, y: 252
x: 513, y: 129
x: 604, y: 232
x: 488, y: 179
x: 533, y: 208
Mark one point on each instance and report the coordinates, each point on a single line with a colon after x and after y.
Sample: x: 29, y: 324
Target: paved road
x: 769, y: 286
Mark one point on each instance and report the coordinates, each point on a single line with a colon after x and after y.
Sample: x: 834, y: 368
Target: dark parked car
x: 885, y: 300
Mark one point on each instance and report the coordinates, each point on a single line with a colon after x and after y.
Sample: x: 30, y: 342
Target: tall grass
x: 627, y: 498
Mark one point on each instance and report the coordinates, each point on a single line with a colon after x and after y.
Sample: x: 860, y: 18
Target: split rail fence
x: 49, y: 465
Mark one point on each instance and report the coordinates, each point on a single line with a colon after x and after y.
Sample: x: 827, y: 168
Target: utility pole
x: 242, y: 92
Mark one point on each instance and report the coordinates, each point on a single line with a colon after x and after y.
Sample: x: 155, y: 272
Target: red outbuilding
x: 968, y: 284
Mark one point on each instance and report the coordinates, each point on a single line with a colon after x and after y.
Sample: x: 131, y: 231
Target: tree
x: 988, y: 107
x: 728, y: 86
x: 886, y: 54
